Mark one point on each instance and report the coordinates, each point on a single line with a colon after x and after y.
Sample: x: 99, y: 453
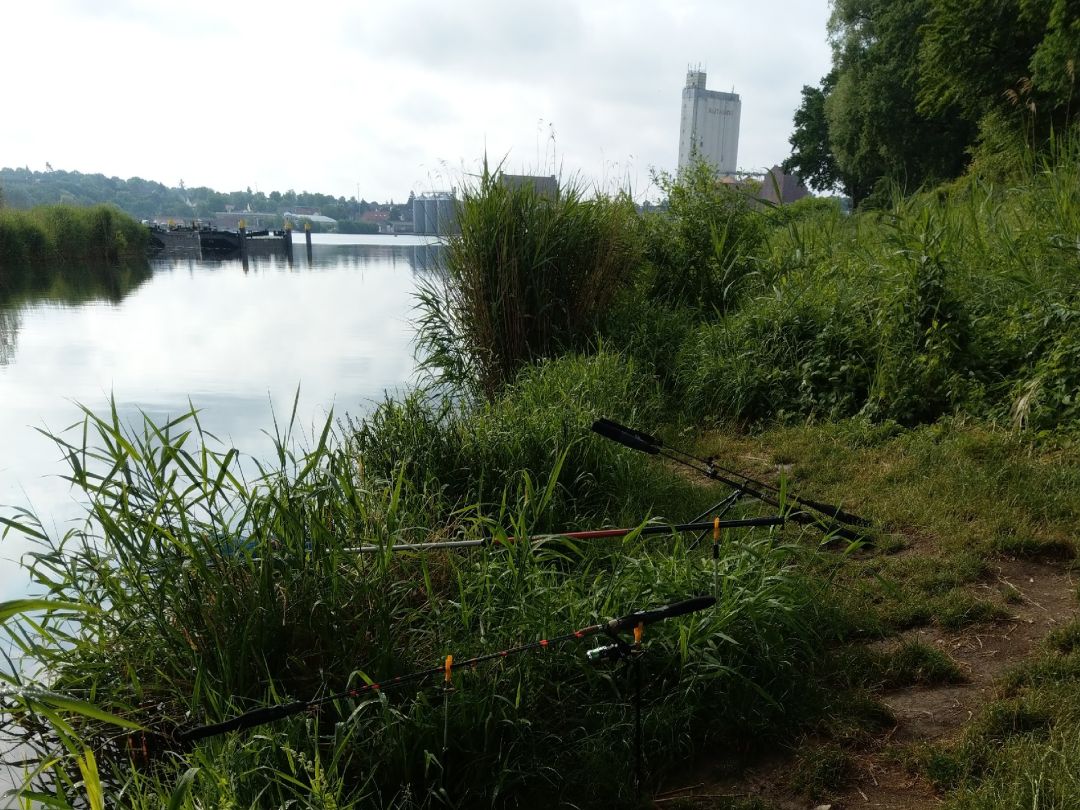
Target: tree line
x: 147, y: 199
x: 919, y: 89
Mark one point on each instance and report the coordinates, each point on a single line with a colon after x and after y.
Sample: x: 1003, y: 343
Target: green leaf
x: 182, y: 789
x: 36, y: 698
x: 22, y: 527
x: 16, y: 606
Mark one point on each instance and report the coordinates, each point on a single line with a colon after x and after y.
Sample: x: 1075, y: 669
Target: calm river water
x: 234, y: 342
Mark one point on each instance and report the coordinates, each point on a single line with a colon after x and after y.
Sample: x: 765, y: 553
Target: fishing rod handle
x: 627, y: 437
x: 835, y: 512
x: 659, y: 614
x: 825, y: 525
x: 255, y: 717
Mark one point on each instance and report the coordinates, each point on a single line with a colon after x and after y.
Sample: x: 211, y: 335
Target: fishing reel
x: 609, y: 652
x: 619, y: 649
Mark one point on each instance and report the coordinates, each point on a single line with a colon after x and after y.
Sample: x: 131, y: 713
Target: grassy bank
x: 961, y: 300
x: 64, y: 233
x: 914, y: 365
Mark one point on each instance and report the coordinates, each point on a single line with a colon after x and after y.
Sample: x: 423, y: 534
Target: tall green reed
x: 67, y: 233
x: 528, y: 277
x: 700, y: 249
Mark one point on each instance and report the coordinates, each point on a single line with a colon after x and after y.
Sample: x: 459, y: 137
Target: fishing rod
x: 645, y: 443
x: 635, y: 621
x: 592, y: 534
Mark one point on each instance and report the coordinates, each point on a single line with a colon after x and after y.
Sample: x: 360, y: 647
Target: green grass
x: 909, y: 663
x: 961, y: 492
x: 1021, y: 749
x: 820, y: 770
x: 540, y: 420
x: 197, y: 632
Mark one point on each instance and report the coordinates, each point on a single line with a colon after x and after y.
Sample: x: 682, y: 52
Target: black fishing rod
x: 645, y: 443
x: 592, y: 534
x: 631, y: 621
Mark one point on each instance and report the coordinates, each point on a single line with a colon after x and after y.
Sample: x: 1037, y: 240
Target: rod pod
x: 646, y: 443
x: 619, y: 650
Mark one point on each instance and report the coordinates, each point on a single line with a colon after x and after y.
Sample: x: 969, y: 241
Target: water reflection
x: 235, y: 344
x: 420, y: 258
x: 71, y: 284
x: 9, y: 332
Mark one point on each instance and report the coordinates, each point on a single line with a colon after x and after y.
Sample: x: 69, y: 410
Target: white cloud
x: 330, y: 95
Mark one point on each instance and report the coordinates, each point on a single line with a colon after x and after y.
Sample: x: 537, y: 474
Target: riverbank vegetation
x: 57, y: 234
x: 922, y: 88
x: 916, y: 362
x: 908, y: 364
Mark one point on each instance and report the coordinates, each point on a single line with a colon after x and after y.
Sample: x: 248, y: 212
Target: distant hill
x: 147, y: 199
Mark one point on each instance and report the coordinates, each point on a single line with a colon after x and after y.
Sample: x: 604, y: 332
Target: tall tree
x: 876, y: 131
x: 1055, y: 64
x: 1011, y: 61
x: 973, y: 52
x: 812, y: 157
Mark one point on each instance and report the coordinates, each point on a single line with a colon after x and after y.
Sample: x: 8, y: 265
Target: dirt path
x: 1046, y: 598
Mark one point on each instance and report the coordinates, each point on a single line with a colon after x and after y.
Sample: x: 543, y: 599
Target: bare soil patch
x: 1042, y: 597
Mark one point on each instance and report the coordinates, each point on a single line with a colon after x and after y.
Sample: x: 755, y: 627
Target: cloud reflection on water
x: 234, y: 343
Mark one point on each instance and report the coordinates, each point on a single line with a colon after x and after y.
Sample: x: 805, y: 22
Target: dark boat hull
x: 213, y: 242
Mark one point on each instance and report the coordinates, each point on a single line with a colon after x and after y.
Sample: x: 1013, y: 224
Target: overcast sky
x: 391, y: 96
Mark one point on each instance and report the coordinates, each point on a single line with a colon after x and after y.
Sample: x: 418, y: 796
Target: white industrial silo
x: 418, y: 215
x: 709, y: 127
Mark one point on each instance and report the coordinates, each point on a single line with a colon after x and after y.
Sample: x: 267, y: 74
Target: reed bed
x: 206, y: 594
x: 66, y: 233
x: 528, y: 278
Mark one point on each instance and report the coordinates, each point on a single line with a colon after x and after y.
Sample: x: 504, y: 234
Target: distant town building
x: 780, y: 188
x: 709, y: 128
x: 318, y: 221
x: 544, y: 185
x: 435, y: 213
x: 376, y: 216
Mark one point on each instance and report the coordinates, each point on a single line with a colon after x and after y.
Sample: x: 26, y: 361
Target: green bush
x: 700, y: 250
x: 956, y: 301
x: 807, y: 353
